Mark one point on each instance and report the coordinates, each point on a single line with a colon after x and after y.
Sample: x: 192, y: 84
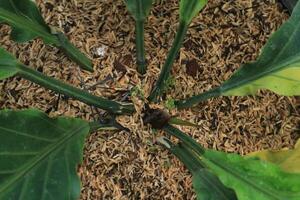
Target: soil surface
x: 122, y: 165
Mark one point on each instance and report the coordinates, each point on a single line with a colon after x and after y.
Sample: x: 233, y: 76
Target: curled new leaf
x: 190, y: 8
x: 27, y: 24
x: 39, y: 155
x: 277, y: 68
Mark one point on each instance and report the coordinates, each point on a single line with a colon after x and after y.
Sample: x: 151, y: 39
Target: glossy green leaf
x: 287, y: 159
x: 26, y: 21
x: 253, y: 178
x: 209, y: 187
x: 206, y: 185
x: 190, y: 8
x: 39, y: 155
x: 250, y: 178
x: 277, y: 68
x: 139, y: 9
x: 7, y: 65
x: 27, y: 24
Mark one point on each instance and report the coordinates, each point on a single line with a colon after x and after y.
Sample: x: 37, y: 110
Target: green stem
x: 177, y: 121
x: 70, y: 91
x: 166, y: 70
x: 73, y: 53
x: 190, y: 102
x: 140, y: 46
x: 96, y: 126
x: 187, y: 157
x: 188, y: 141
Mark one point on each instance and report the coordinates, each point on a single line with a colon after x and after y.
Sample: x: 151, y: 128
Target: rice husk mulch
x: 122, y: 165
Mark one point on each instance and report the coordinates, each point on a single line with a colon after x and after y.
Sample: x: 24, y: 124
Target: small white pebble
x: 101, y: 51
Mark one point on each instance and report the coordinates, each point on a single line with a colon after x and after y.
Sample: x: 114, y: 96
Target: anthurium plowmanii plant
x: 39, y: 154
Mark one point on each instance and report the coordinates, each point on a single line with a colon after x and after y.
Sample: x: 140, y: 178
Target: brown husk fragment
x: 130, y: 165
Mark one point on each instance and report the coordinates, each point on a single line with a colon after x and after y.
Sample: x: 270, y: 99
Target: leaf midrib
x: 45, y: 153
x: 8, y: 66
x: 24, y: 134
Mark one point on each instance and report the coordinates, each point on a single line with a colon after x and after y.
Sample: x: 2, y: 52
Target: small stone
x: 192, y: 67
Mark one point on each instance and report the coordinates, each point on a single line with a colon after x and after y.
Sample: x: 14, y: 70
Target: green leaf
x: 27, y: 24
x: 288, y: 160
x: 190, y: 8
x: 39, y: 155
x: 7, y: 65
x: 252, y: 178
x: 26, y: 21
x: 139, y: 9
x: 277, y: 68
x: 206, y: 185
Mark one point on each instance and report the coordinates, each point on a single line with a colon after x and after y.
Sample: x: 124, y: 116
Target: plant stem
x: 73, y: 53
x: 70, y: 91
x: 140, y: 46
x: 190, y: 102
x: 95, y: 126
x: 166, y: 70
x: 188, y: 141
x: 186, y: 156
